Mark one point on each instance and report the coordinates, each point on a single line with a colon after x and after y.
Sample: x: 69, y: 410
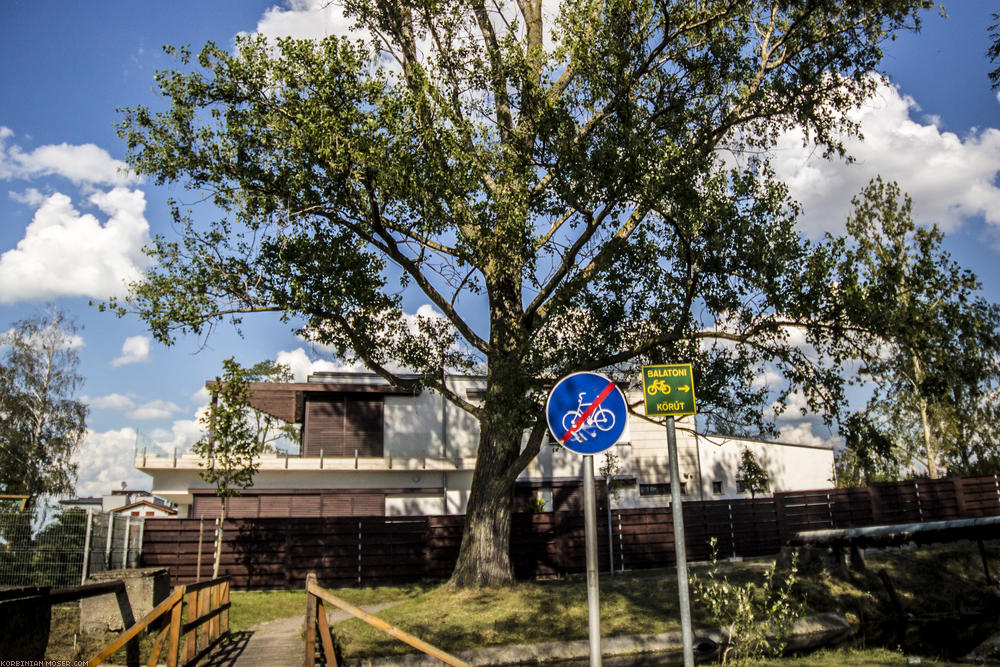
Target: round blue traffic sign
x: 586, y: 412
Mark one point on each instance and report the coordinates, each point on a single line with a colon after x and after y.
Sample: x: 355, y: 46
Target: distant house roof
x: 81, y: 501
x: 146, y: 503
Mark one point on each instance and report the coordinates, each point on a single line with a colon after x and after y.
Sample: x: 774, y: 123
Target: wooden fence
x: 356, y: 551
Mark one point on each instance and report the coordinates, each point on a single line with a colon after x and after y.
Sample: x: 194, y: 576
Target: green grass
x: 872, y: 657
x: 250, y: 608
x: 934, y: 580
x: 931, y: 581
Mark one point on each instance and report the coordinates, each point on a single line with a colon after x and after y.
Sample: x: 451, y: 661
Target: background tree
x: 750, y: 473
x: 868, y: 456
x: 936, y: 360
x: 586, y: 192
x: 993, y: 52
x: 236, y: 434
x: 42, y: 423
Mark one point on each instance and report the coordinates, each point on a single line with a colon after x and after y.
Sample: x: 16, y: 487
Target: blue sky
x: 72, y: 224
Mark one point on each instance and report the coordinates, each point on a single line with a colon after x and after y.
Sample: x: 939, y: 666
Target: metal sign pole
x: 590, y: 529
x: 687, y: 639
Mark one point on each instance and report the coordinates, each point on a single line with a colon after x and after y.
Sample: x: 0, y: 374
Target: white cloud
x: 31, y: 197
x: 66, y: 253
x: 306, y: 19
x: 135, y: 349
x: 81, y: 164
x: 802, y: 434
x: 154, y: 410
x: 302, y: 366
x: 110, y: 402
x: 202, y: 396
x: 949, y: 177
x: 105, y: 461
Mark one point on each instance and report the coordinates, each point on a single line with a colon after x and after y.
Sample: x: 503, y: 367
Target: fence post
x: 920, y: 509
x: 359, y: 552
x: 84, y: 571
x: 174, y: 643
x: 732, y: 528
x: 142, y: 534
x: 128, y: 532
x: 109, y: 543
x: 310, y: 652
x: 201, y: 539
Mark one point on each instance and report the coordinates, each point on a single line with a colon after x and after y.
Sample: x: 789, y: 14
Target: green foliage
x: 236, y: 434
x: 993, y: 52
x: 535, y: 505
x: 750, y: 473
x: 509, y: 179
x: 758, y: 618
x: 42, y: 423
x: 930, y: 341
x: 611, y: 466
x: 868, y: 455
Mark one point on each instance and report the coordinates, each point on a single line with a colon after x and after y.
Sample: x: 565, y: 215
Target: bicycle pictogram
x: 601, y: 418
x: 658, y: 387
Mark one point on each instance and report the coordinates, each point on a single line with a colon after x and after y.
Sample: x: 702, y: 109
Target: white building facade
x: 370, y: 449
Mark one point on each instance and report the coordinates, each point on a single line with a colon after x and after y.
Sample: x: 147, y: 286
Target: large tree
x: 42, y: 422
x: 584, y: 191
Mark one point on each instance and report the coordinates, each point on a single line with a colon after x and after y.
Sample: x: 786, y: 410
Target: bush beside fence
x: 368, y: 551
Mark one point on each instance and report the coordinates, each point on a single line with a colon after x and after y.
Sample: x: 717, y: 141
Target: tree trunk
x: 484, y: 556
x: 218, y: 540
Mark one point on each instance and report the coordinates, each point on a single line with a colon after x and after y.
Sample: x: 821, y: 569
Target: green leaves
x: 932, y: 342
x: 236, y: 434
x: 590, y: 190
x: 42, y: 423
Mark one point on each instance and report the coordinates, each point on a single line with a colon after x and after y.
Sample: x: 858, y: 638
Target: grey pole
x: 611, y: 531
x: 590, y: 529
x: 86, y: 546
x: 687, y: 639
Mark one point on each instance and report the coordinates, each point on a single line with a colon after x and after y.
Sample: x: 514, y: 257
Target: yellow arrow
x: 684, y: 388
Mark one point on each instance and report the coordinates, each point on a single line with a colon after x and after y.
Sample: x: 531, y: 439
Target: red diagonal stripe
x: 583, y: 418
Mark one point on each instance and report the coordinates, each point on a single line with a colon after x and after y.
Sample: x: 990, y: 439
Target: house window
x: 662, y: 489
x: 717, y: 488
x: 342, y: 424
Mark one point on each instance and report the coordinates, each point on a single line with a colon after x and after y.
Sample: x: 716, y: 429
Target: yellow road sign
x: 668, y: 390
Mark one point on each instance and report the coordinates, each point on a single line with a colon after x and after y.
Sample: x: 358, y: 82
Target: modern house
x: 124, y: 501
x: 369, y: 448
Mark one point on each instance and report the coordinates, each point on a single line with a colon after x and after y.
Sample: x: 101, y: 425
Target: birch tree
x: 42, y: 422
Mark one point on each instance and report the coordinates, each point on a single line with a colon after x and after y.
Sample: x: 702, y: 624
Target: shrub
x: 758, y: 617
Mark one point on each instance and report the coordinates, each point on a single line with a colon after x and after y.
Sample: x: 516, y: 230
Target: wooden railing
x: 316, y: 623
x: 206, y: 604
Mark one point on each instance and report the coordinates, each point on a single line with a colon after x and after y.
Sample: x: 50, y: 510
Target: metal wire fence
x: 67, y: 549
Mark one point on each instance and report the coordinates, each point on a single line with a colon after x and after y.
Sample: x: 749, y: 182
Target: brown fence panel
x: 981, y: 496
x: 352, y: 551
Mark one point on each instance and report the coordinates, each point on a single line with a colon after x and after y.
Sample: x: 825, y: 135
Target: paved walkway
x: 278, y: 643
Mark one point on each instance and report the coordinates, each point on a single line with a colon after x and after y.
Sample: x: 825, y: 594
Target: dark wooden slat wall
x: 374, y: 550
x: 341, y: 424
